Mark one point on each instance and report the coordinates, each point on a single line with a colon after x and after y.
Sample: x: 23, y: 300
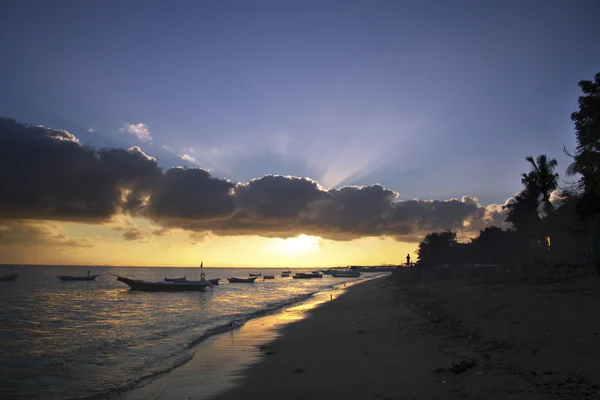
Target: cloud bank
x: 47, y: 174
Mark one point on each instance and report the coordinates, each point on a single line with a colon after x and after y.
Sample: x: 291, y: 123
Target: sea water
x: 76, y: 340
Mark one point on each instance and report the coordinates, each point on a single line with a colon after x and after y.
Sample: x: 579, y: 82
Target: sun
x: 302, y: 244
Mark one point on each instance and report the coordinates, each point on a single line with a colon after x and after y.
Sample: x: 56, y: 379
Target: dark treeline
x: 532, y: 212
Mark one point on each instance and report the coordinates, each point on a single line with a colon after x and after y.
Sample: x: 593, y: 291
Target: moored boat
x: 182, y: 279
x: 88, y: 277
x: 345, y: 274
x: 65, y: 278
x: 10, y: 277
x: 254, y: 274
x: 242, y: 280
x: 268, y: 277
x: 144, y: 286
x: 302, y: 275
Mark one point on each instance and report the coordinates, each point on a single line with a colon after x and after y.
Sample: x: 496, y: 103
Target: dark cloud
x: 35, y: 233
x: 47, y: 174
x: 132, y: 234
x: 189, y: 196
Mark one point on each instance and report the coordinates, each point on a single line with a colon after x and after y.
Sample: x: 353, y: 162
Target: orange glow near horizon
x: 105, y: 245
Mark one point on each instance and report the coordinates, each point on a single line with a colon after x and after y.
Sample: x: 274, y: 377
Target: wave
x: 179, y: 358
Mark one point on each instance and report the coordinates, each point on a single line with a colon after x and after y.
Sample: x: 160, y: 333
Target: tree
x: 587, y: 156
x: 436, y: 248
x: 543, y: 178
x: 524, y: 212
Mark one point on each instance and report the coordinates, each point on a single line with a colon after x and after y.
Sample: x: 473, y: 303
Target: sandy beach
x: 437, y: 341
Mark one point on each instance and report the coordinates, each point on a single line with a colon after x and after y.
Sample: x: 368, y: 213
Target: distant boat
x: 65, y: 278
x: 345, y: 274
x: 144, y: 286
x: 242, y: 280
x: 316, y: 274
x: 268, y: 277
x: 77, y: 278
x: 302, y: 275
x: 175, y: 279
x: 10, y: 277
x: 285, y: 274
x: 254, y: 274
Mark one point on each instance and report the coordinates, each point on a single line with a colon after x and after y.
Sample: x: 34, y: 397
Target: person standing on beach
x: 408, y: 260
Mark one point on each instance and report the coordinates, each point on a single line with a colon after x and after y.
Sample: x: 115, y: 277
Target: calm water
x: 73, y: 340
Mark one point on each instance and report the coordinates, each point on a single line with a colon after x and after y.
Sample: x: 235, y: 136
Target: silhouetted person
x: 407, y: 259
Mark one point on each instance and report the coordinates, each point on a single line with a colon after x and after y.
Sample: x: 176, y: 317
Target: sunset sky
x: 315, y: 133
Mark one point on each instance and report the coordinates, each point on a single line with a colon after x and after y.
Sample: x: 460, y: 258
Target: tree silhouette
x: 437, y: 247
x: 524, y: 212
x: 587, y: 156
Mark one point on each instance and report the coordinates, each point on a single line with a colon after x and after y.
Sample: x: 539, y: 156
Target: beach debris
x: 459, y: 368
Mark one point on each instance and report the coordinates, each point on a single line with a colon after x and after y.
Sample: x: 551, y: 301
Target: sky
x: 324, y: 132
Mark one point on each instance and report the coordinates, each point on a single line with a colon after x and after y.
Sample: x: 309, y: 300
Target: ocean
x: 98, y: 339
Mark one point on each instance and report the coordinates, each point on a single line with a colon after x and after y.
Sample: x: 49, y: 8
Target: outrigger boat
x: 144, y: 286
x: 10, y: 277
x: 66, y: 278
x: 183, y: 279
x: 242, y: 280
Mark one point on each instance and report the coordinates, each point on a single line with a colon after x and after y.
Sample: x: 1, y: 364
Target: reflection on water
x: 84, y: 339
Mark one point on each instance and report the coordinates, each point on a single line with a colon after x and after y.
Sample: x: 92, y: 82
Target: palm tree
x: 542, y: 180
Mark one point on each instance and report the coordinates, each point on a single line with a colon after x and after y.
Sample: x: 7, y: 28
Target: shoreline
x: 380, y: 340
x: 218, y: 362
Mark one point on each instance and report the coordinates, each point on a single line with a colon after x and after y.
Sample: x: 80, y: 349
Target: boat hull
x: 240, y: 280
x: 66, y: 278
x: 144, y: 286
x: 9, y: 278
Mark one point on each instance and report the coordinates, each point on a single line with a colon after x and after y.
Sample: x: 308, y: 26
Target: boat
x: 268, y: 277
x: 302, y: 275
x: 214, y: 282
x: 144, y: 286
x: 242, y: 280
x: 316, y: 274
x: 183, y: 279
x: 285, y: 274
x: 254, y: 274
x: 66, y: 278
x: 345, y: 274
x: 10, y: 277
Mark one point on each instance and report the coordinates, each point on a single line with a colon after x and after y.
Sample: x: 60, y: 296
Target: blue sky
x: 431, y: 99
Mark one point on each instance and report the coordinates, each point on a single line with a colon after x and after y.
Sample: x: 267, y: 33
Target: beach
x: 437, y: 341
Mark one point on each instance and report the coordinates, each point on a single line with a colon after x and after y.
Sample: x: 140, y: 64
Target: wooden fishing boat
x: 144, y: 286
x: 242, y: 280
x: 215, y: 281
x: 183, y: 279
x: 9, y: 277
x: 345, y: 274
x: 268, y: 277
x: 302, y: 275
x: 254, y: 274
x: 285, y: 274
x: 316, y: 274
x: 66, y: 278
